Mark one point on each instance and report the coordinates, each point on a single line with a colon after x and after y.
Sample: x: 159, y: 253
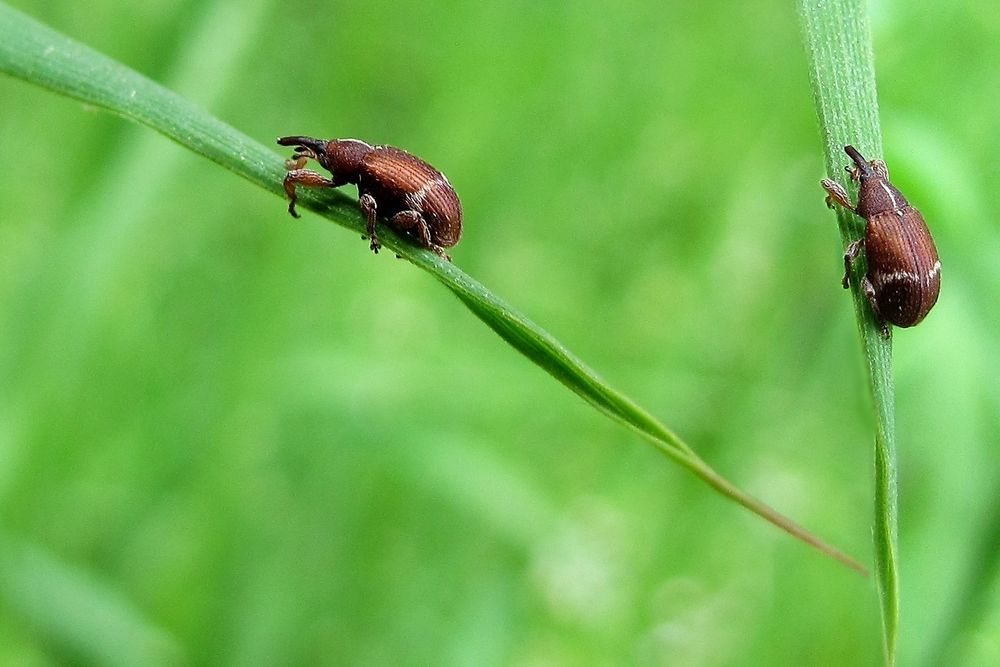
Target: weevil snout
x: 865, y: 169
x: 305, y: 145
x: 862, y: 168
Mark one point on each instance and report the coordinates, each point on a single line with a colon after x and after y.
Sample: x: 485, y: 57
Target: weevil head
x: 341, y: 157
x: 863, y: 168
x: 875, y: 194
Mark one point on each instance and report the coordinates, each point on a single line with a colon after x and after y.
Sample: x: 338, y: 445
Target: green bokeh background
x: 228, y: 437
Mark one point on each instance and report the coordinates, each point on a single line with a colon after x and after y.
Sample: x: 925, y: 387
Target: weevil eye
x: 882, y: 171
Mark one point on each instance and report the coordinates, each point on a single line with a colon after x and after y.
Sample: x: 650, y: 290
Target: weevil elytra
x: 904, y: 273
x: 403, y: 190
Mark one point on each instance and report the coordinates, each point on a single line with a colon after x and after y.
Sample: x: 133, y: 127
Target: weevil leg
x: 299, y: 160
x: 414, y: 222
x: 869, y: 291
x: 306, y: 178
x: 850, y: 255
x: 835, y: 193
x: 370, y: 208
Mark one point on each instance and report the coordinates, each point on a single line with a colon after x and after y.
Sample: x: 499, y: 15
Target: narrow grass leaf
x: 40, y: 55
x: 842, y: 71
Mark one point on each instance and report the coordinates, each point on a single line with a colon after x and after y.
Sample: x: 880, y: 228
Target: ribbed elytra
x: 401, y: 189
x: 904, y: 272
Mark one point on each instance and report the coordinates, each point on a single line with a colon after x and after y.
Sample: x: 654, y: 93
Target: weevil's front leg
x: 835, y: 192
x: 298, y: 161
x: 304, y: 177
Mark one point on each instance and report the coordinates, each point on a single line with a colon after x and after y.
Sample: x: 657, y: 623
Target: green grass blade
x: 74, y: 610
x: 842, y: 72
x: 37, y: 54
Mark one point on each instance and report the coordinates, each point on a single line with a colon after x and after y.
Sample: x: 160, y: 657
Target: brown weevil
x: 904, y: 272
x: 406, y: 192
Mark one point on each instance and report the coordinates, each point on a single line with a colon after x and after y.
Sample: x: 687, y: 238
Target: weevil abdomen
x: 903, y: 266
x: 405, y: 182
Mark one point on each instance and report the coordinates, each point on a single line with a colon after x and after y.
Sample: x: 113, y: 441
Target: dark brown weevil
x: 904, y: 272
x: 403, y: 190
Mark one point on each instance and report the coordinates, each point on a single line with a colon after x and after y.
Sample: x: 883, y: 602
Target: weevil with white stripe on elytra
x: 406, y: 192
x: 904, y: 272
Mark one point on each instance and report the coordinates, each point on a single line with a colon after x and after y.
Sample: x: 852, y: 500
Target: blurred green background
x: 228, y: 437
